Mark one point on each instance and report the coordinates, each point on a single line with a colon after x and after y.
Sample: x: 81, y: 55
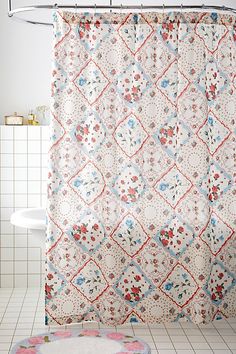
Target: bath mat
x: 85, y: 341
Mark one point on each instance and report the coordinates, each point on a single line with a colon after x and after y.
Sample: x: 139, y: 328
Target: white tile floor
x: 22, y: 315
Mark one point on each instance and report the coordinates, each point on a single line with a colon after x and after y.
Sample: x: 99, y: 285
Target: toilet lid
x: 85, y: 341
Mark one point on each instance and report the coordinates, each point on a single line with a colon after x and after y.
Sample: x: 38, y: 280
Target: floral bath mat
x: 86, y: 341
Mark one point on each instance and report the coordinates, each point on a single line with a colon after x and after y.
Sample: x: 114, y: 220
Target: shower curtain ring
x: 95, y: 9
x: 181, y: 8
x: 121, y: 8
x: 141, y: 8
x: 55, y: 6
x: 163, y: 11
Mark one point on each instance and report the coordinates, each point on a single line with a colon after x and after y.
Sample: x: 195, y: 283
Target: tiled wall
x: 23, y: 174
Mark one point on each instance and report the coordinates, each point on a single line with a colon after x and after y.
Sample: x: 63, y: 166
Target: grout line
x: 170, y: 337
x: 0, y: 202
x: 27, y: 175
x: 14, y: 202
x: 36, y: 308
x: 150, y: 331
x: 7, y: 304
x: 231, y: 326
x: 187, y: 336
x: 218, y: 334
x: 16, y: 324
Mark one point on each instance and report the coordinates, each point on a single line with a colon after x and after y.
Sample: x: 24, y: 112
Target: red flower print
x: 83, y: 229
x: 135, y: 89
x: 136, y: 77
x: 48, y: 289
x: 50, y: 276
x: 163, y: 140
x: 213, y: 296
x: 216, y: 175
x: 162, y: 232
x: 95, y: 227
x: 86, y: 131
x: 93, y: 238
x: 125, y: 281
x: 76, y: 236
x: 181, y: 229
x: 171, y: 26
x: 135, y: 290
x: 128, y: 297
x: 134, y: 178
x: 220, y: 276
x: 164, y: 36
x: 162, y: 131
x: 75, y: 227
x: 128, y: 97
x: 81, y: 34
x: 97, y: 24
x: 210, y: 197
x: 96, y: 128
x: 165, y: 242
x: 137, y: 277
x: 87, y: 26
x: 213, y: 88
x: 131, y: 191
x: 137, y: 298
x: 214, y: 189
x: 170, y: 233
x: 79, y: 137
x: 219, y: 288
x: 124, y: 198
x: 170, y: 132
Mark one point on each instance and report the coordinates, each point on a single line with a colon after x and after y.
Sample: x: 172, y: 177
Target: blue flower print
x: 163, y: 186
x: 210, y: 121
x: 135, y: 18
x: 214, y: 16
x: 82, y: 81
x: 54, y: 137
x: 77, y: 183
x: 133, y: 319
x: 164, y: 83
x: 169, y: 286
x: 185, y: 275
x: 131, y: 123
x: 221, y: 238
x: 213, y: 222
x: 129, y: 223
x: 80, y: 280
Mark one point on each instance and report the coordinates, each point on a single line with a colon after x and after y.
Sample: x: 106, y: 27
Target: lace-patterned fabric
x: 142, y: 197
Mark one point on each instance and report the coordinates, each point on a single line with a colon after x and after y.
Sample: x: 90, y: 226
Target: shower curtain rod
x: 13, y: 12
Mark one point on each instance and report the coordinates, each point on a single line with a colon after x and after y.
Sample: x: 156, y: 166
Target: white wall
x: 25, y: 55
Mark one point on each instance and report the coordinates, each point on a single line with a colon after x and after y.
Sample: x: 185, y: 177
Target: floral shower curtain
x: 142, y: 197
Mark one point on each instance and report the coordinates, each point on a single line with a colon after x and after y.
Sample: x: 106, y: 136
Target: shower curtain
x: 142, y: 197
